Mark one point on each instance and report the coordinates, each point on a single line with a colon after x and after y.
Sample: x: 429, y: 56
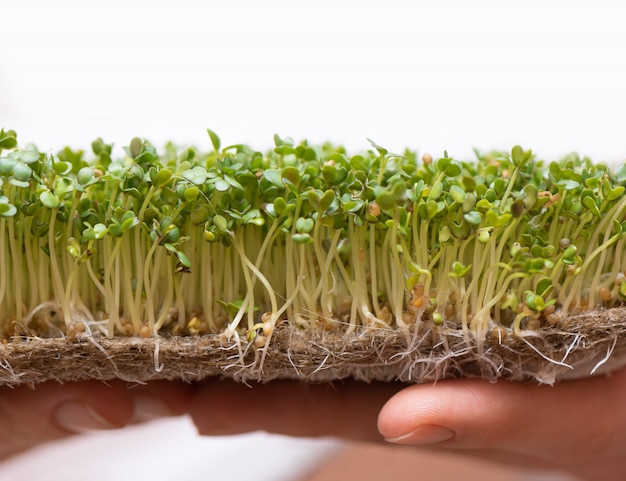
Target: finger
x: 31, y: 416
x: 567, y: 422
x: 348, y: 410
x: 158, y: 399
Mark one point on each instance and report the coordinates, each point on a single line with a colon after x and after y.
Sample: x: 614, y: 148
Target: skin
x: 569, y: 427
x: 51, y: 411
x: 577, y: 426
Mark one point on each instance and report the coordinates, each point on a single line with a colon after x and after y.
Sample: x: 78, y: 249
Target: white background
x: 433, y: 75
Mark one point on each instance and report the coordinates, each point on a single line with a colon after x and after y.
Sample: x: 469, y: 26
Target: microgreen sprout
x: 234, y: 241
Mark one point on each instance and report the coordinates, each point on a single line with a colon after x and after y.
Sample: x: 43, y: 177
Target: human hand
x: 577, y: 426
x: 50, y: 411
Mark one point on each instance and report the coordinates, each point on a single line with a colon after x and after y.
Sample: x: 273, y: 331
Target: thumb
x: 572, y: 422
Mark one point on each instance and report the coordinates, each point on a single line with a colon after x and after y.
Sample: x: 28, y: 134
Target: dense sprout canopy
x: 234, y: 240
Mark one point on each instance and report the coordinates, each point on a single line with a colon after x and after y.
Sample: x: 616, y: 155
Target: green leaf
x: 385, y: 200
x: 215, y: 140
x: 62, y: 168
x: 590, y: 204
x: 22, y: 172
x: 454, y: 169
x: 290, y: 174
x: 326, y: 200
x: 609, y: 193
x: 136, y: 146
x: 196, y: 175
x: 7, y: 210
x: 183, y: 259
x: 300, y: 238
x: 473, y: 217
x: 445, y: 234
x: 29, y: 156
x: 304, y: 225
x: 8, y: 139
x: 221, y: 185
x: 163, y: 176
x: 457, y: 193
x: 274, y: 177
x: 569, y: 184
x: 49, y: 200
x: 517, y: 155
x: 85, y: 176
x: 191, y: 193
x: 483, y: 235
x: 220, y: 223
x: 381, y: 150
x: 544, y: 286
x: 7, y: 164
x: 459, y: 270
x: 535, y: 302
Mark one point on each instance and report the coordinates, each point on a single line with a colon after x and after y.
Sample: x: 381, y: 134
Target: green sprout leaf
x: 49, y: 200
x: 215, y: 140
x: 459, y: 270
x: 381, y: 150
x: 473, y: 217
x: 6, y: 208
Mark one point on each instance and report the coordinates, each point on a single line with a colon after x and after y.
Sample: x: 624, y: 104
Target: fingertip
x: 111, y: 400
x: 522, y: 418
x: 449, y: 411
x: 210, y: 408
x: 161, y: 399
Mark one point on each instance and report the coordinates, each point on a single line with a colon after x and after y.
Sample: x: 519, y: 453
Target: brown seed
x: 533, y: 323
x: 604, y: 293
x: 549, y: 310
x: 427, y: 159
x: 385, y: 315
x: 259, y: 341
x: 70, y: 331
x: 418, y: 289
x: 144, y: 331
x: 418, y: 301
x: 552, y: 319
x: 194, y: 323
x: 499, y: 332
x: 373, y: 208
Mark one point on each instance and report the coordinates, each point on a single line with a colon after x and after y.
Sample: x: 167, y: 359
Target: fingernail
x: 424, y: 435
x: 79, y: 417
x: 147, y: 408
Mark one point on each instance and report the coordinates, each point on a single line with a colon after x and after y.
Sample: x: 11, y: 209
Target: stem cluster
x: 235, y: 240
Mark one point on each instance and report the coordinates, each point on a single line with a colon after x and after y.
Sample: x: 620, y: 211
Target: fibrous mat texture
x: 590, y: 343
